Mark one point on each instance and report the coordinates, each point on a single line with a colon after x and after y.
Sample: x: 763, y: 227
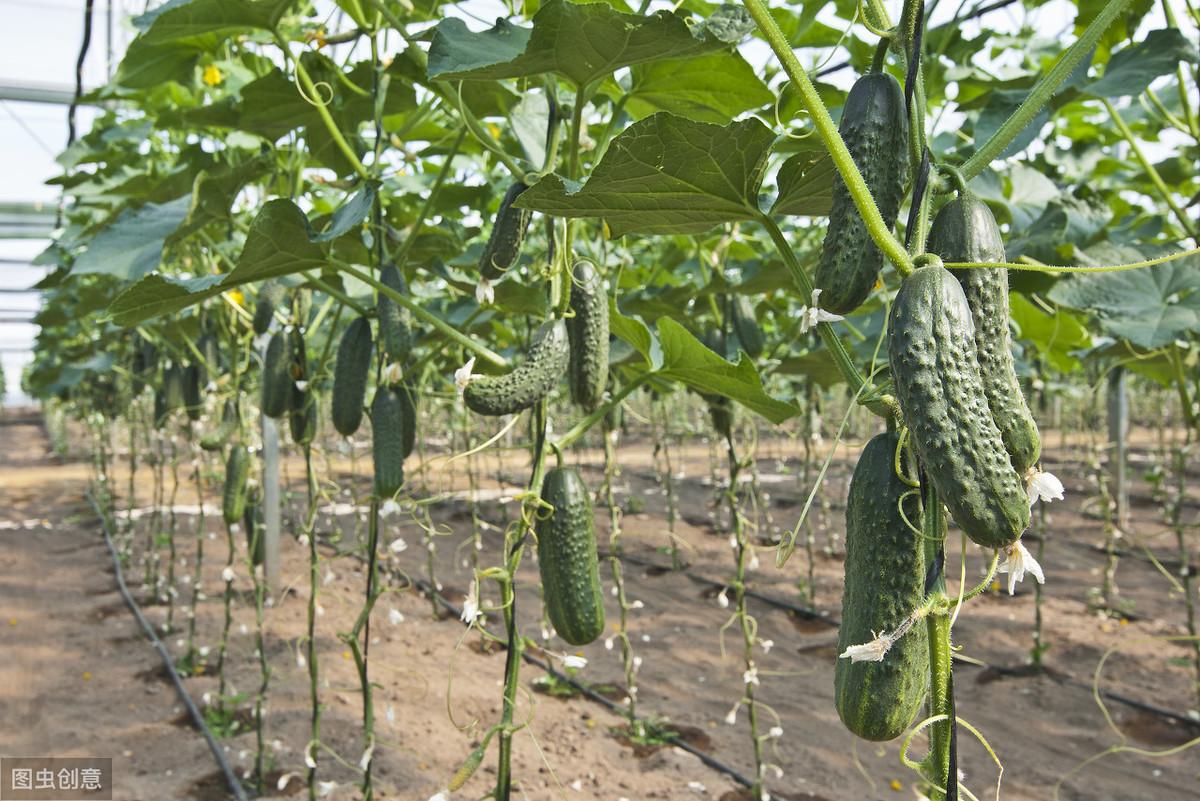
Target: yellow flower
x: 318, y: 36
x: 896, y: 785
x: 494, y: 129
x: 212, y: 75
x: 237, y: 297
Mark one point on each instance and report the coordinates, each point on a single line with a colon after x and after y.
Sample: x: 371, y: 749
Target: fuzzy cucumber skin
x: 587, y: 331
x: 395, y: 321
x: 567, y: 559
x: 407, y: 397
x: 388, y: 438
x: 269, y: 297
x: 964, y: 230
x: 746, y: 327
x: 931, y: 346
x: 237, y: 472
x: 350, y: 374
x: 530, y: 381
x: 884, y: 583
x: 874, y: 127
x: 277, y: 376
x: 508, y: 232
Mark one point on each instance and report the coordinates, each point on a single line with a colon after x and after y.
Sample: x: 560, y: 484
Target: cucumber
x: 269, y: 297
x: 350, y: 374
x: 237, y: 472
x: 884, y: 582
x: 302, y: 404
x: 746, y: 327
x: 587, y: 332
x: 720, y: 410
x: 193, y: 398
x: 277, y: 375
x: 931, y: 345
x: 567, y: 561
x: 528, y: 382
x: 874, y: 127
x: 256, y: 546
x: 407, y: 397
x: 965, y: 231
x: 388, y: 439
x: 508, y: 231
x: 210, y: 350
x: 395, y: 321
x: 216, y: 439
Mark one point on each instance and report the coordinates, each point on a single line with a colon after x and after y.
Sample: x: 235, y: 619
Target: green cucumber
x: 277, y: 375
x: 388, y: 423
x: 931, y: 346
x: 256, y: 545
x: 528, y: 382
x: 965, y: 231
x: 567, y: 560
x: 350, y: 374
x: 210, y: 352
x: 303, y: 412
x: 746, y: 327
x: 884, y: 583
x: 269, y: 297
x: 508, y: 231
x: 408, y: 416
x: 587, y: 331
x: 216, y: 439
x: 874, y: 127
x: 237, y: 473
x: 193, y: 397
x: 395, y: 321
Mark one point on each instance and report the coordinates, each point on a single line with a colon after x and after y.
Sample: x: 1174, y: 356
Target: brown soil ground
x: 79, y: 679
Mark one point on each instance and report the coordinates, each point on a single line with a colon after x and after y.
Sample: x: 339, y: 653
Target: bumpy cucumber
x: 530, y: 381
x: 965, y: 231
x: 237, y: 471
x: 746, y: 327
x: 931, y: 345
x: 215, y: 440
x: 350, y: 375
x: 508, y: 231
x: 277, y: 375
x: 269, y: 297
x: 567, y: 559
x: 388, y: 422
x: 587, y: 331
x: 875, y: 128
x: 408, y: 415
x: 395, y: 321
x: 193, y: 398
x: 302, y: 405
x: 256, y: 544
x: 884, y: 583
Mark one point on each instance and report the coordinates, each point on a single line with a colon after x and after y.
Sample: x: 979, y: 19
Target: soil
x: 79, y: 679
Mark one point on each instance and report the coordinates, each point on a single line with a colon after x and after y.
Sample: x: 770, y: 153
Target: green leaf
x: 666, y: 175
x: 815, y: 365
x: 687, y: 360
x: 1054, y: 336
x: 713, y: 88
x: 277, y: 244
x: 351, y: 213
x: 635, y: 332
x: 582, y: 42
x: 132, y: 245
x: 805, y: 185
x: 184, y: 21
x: 1000, y: 106
x: 1134, y: 68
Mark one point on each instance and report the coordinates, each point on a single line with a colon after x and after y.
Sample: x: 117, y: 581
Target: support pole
x: 1118, y: 436
x: 270, y: 455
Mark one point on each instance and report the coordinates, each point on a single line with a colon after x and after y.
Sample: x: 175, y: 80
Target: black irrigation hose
x: 231, y: 779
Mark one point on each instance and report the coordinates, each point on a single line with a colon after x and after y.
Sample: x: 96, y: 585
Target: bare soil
x: 79, y: 679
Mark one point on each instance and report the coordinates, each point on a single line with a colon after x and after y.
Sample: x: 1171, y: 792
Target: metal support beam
x: 33, y: 92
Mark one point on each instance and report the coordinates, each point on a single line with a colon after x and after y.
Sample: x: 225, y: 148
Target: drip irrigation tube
x: 197, y: 717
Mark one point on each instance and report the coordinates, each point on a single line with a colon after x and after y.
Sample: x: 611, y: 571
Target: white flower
x: 1043, y: 487
x: 330, y: 577
x: 698, y: 787
x: 574, y: 661
x: 309, y: 761
x: 750, y: 676
x: 284, y: 779
x: 470, y: 610
x: 440, y: 795
x: 393, y: 373
x: 462, y: 376
x: 389, y: 508
x: 767, y: 645
x: 302, y: 386
x: 872, y: 651
x: 395, y: 617
x: 398, y: 545
x: 811, y: 315
x: 365, y: 760
x: 227, y: 575
x: 776, y: 732
x: 608, y: 644
x: 1018, y: 560
x: 325, y: 788
x: 300, y: 661
x: 637, y: 605
x: 485, y: 295
x: 731, y: 717
x: 723, y: 599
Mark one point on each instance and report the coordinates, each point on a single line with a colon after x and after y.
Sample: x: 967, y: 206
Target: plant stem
x: 941, y: 700
x: 314, y: 583
x: 611, y: 469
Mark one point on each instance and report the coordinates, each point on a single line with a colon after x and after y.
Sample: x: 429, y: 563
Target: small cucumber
x: 237, y: 472
x: 587, y: 331
x: 269, y: 297
x: 256, y: 545
x: 277, y: 375
x: 508, y: 231
x: 388, y: 423
x: 746, y: 327
x: 567, y: 559
x: 395, y: 321
x: 528, y: 382
x: 303, y: 411
x: 193, y: 397
x: 216, y: 439
x: 350, y: 374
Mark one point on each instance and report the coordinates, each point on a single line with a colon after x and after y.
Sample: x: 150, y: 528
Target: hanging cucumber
x: 350, y: 374
x: 931, y: 344
x: 567, y: 559
x: 528, y: 382
x: 746, y: 327
x: 277, y: 375
x: 215, y: 440
x: 395, y: 321
x: 193, y: 398
x: 269, y: 297
x: 874, y: 127
x: 508, y: 231
x: 965, y: 231
x: 587, y: 331
x: 303, y: 410
x: 388, y: 424
x: 237, y: 472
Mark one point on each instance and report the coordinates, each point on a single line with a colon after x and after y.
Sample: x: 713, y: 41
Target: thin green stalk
x: 314, y: 583
x: 580, y: 428
x: 611, y: 468
x: 936, y: 765
x: 172, y: 522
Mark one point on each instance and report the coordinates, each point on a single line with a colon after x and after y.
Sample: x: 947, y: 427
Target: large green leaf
x: 805, y: 184
x: 1054, y: 335
x: 132, y: 245
x: 666, y: 174
x: 712, y: 88
x: 184, y: 21
x: 278, y: 243
x: 581, y: 42
x: 635, y: 332
x: 1134, y: 68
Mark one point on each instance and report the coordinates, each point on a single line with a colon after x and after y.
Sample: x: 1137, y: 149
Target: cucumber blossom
x: 237, y: 472
x: 931, y: 346
x: 567, y: 560
x: 277, y: 375
x: 874, y: 127
x: 395, y: 321
x: 508, y: 231
x: 587, y: 331
x: 350, y: 374
x: 528, y: 382
x: 884, y: 583
x: 965, y: 231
